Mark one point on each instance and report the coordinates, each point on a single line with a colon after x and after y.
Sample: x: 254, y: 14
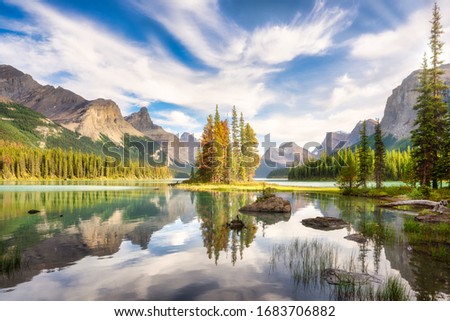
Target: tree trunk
x: 440, y: 207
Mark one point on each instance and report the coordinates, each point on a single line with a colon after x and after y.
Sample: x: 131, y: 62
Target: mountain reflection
x: 73, y: 225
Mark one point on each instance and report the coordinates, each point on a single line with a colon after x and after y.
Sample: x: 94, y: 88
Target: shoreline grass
x: 253, y: 187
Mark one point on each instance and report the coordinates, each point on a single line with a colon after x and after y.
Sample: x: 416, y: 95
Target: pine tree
x: 250, y: 152
x: 380, y: 155
x: 363, y: 157
x: 236, y: 148
x: 205, y: 158
x: 242, y: 170
x: 430, y: 154
x: 423, y: 136
x: 438, y: 88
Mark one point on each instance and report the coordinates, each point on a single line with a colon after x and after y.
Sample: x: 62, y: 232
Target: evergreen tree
x: 205, y: 158
x: 363, y: 157
x: 250, y: 152
x: 236, y: 148
x: 423, y: 137
x: 218, y: 148
x: 438, y: 88
x: 348, y: 174
x: 225, y: 155
x: 242, y: 173
x: 380, y: 155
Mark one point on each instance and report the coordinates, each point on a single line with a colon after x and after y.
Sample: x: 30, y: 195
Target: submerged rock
x: 325, y: 223
x: 273, y: 204
x: 33, y: 211
x: 236, y: 224
x: 358, y: 237
x: 337, y: 277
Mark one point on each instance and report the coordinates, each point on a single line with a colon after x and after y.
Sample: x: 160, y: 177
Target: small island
x: 268, y: 202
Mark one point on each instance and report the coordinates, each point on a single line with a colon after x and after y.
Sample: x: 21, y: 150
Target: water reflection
x: 166, y: 244
x: 216, y: 210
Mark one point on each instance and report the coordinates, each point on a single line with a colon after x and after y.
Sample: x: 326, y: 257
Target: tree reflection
x: 216, y: 210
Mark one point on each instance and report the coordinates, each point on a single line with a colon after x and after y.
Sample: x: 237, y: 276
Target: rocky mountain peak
x: 89, y: 118
x: 7, y: 71
x: 141, y: 120
x: 399, y: 114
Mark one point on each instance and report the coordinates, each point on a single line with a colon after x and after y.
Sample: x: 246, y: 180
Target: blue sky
x: 295, y: 68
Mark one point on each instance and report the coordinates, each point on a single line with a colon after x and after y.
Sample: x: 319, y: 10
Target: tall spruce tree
x: 242, y: 171
x: 380, y: 156
x: 250, y: 152
x: 364, y: 160
x: 428, y: 139
x: 423, y: 137
x: 236, y: 148
x: 438, y: 89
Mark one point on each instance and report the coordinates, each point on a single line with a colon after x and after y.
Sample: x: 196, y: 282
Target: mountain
x: 23, y: 125
x: 281, y: 159
x: 399, y: 115
x: 180, y: 155
x: 142, y: 122
x: 93, y: 119
x: 337, y: 140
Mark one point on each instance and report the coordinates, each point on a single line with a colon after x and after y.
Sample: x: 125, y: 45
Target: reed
x: 305, y: 260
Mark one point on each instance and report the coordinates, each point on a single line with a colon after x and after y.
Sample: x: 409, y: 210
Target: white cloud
x: 171, y: 120
x: 310, y: 36
x: 105, y: 65
x: 377, y: 64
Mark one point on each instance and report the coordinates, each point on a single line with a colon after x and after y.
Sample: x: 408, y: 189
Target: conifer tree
x: 242, y: 171
x: 438, y: 88
x: 429, y: 138
x: 236, y: 148
x: 250, y: 152
x: 363, y: 156
x: 380, y: 155
x: 423, y: 136
x: 206, y: 156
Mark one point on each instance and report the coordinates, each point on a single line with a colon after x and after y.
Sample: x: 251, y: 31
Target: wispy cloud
x: 241, y: 63
x: 310, y: 35
x: 175, y: 119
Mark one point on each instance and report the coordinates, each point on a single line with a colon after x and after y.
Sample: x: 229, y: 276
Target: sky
x: 295, y: 68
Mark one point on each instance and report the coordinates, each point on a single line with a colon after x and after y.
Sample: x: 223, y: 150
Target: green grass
x: 432, y: 239
x: 253, y: 187
x: 393, y: 289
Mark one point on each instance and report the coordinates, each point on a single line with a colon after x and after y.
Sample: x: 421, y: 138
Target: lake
x: 148, y: 241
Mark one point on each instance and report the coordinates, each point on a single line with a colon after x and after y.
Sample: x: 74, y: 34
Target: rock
x: 325, y: 223
x: 399, y: 114
x: 236, y: 224
x: 33, y: 211
x: 337, y: 277
x: 359, y: 238
x: 273, y: 204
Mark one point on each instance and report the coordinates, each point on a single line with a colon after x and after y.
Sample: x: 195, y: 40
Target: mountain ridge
x: 92, y: 118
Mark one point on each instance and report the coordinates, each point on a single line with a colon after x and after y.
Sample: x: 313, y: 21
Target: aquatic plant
x: 10, y: 259
x: 305, y: 259
x: 392, y: 289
